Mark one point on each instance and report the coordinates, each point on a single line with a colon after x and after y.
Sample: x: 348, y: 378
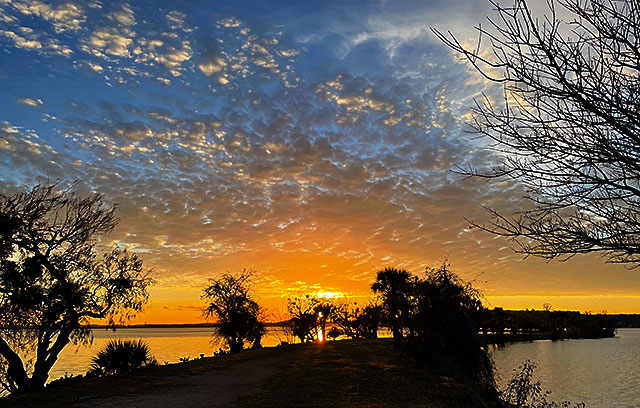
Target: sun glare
x: 329, y: 295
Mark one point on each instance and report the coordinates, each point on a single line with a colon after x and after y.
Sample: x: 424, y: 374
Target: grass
x: 363, y: 373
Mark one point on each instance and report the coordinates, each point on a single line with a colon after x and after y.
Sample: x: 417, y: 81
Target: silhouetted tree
x: 568, y: 130
x: 238, y: 315
x: 443, y: 327
x: 118, y: 356
x: 394, y: 286
x: 324, y: 310
x: 52, y: 282
x: 304, y: 317
x: 356, y: 322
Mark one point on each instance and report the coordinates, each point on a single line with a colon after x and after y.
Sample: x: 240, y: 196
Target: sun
x: 329, y: 295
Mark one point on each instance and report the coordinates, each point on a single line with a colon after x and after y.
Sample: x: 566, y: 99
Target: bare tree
x: 568, y: 129
x: 52, y: 282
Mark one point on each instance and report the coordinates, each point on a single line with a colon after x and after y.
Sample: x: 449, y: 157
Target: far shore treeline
x: 525, y: 321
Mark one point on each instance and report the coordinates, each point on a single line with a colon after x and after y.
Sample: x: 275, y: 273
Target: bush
x: 439, y: 326
x: 523, y: 392
x: 118, y: 356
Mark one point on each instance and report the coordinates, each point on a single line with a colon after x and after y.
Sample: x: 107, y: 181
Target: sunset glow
x: 312, y: 145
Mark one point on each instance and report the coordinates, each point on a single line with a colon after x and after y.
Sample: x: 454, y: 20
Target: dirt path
x: 211, y: 388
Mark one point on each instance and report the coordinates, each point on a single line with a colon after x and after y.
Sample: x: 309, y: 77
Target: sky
x: 310, y: 142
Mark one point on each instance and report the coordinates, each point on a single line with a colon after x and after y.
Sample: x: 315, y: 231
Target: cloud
x: 30, y: 102
x: 115, y: 36
x: 64, y: 17
x: 313, y: 148
x: 19, y: 41
x: 110, y: 41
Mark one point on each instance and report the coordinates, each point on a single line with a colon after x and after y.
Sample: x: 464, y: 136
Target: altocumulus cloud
x: 314, y: 145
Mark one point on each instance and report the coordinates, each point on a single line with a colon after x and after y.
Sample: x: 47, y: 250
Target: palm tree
x: 393, y: 284
x: 118, y: 356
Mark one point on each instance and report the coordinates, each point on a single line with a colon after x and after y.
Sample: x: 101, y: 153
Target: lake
x: 601, y: 373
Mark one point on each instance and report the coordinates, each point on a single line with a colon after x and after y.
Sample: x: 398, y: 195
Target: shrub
x: 522, y: 392
x: 118, y: 356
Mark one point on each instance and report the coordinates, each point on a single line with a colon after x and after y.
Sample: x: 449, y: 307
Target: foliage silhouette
x: 569, y: 128
x: 118, y: 356
x: 522, y: 392
x: 443, y: 326
x: 303, y: 312
x: 394, y: 286
x: 52, y: 281
x: 356, y: 322
x: 500, y: 325
x: 236, y: 312
x: 437, y: 320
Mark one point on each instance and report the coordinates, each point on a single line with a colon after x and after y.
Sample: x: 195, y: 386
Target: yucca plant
x: 118, y: 356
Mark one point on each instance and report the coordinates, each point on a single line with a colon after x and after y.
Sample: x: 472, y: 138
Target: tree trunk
x: 395, y: 327
x: 44, y: 364
x: 15, y: 371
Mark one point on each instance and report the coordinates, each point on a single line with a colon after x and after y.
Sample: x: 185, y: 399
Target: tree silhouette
x: 303, y: 317
x: 394, y: 284
x: 358, y: 322
x: 568, y: 130
x: 236, y: 312
x: 443, y: 326
x: 324, y: 310
x: 52, y: 282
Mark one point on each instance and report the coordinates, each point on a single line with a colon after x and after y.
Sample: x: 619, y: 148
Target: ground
x: 335, y: 374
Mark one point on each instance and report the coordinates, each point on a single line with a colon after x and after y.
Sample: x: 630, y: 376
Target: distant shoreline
x: 625, y: 320
x: 167, y: 325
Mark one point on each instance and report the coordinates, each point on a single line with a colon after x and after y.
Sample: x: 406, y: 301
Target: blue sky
x: 312, y: 142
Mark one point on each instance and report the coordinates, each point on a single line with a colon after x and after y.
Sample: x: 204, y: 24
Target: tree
x: 304, y: 317
x: 393, y: 284
x: 324, y: 310
x: 443, y: 326
x: 52, y: 281
x: 356, y: 322
x: 569, y: 128
x: 236, y: 312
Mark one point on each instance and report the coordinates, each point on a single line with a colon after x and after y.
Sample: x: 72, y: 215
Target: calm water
x: 600, y: 373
